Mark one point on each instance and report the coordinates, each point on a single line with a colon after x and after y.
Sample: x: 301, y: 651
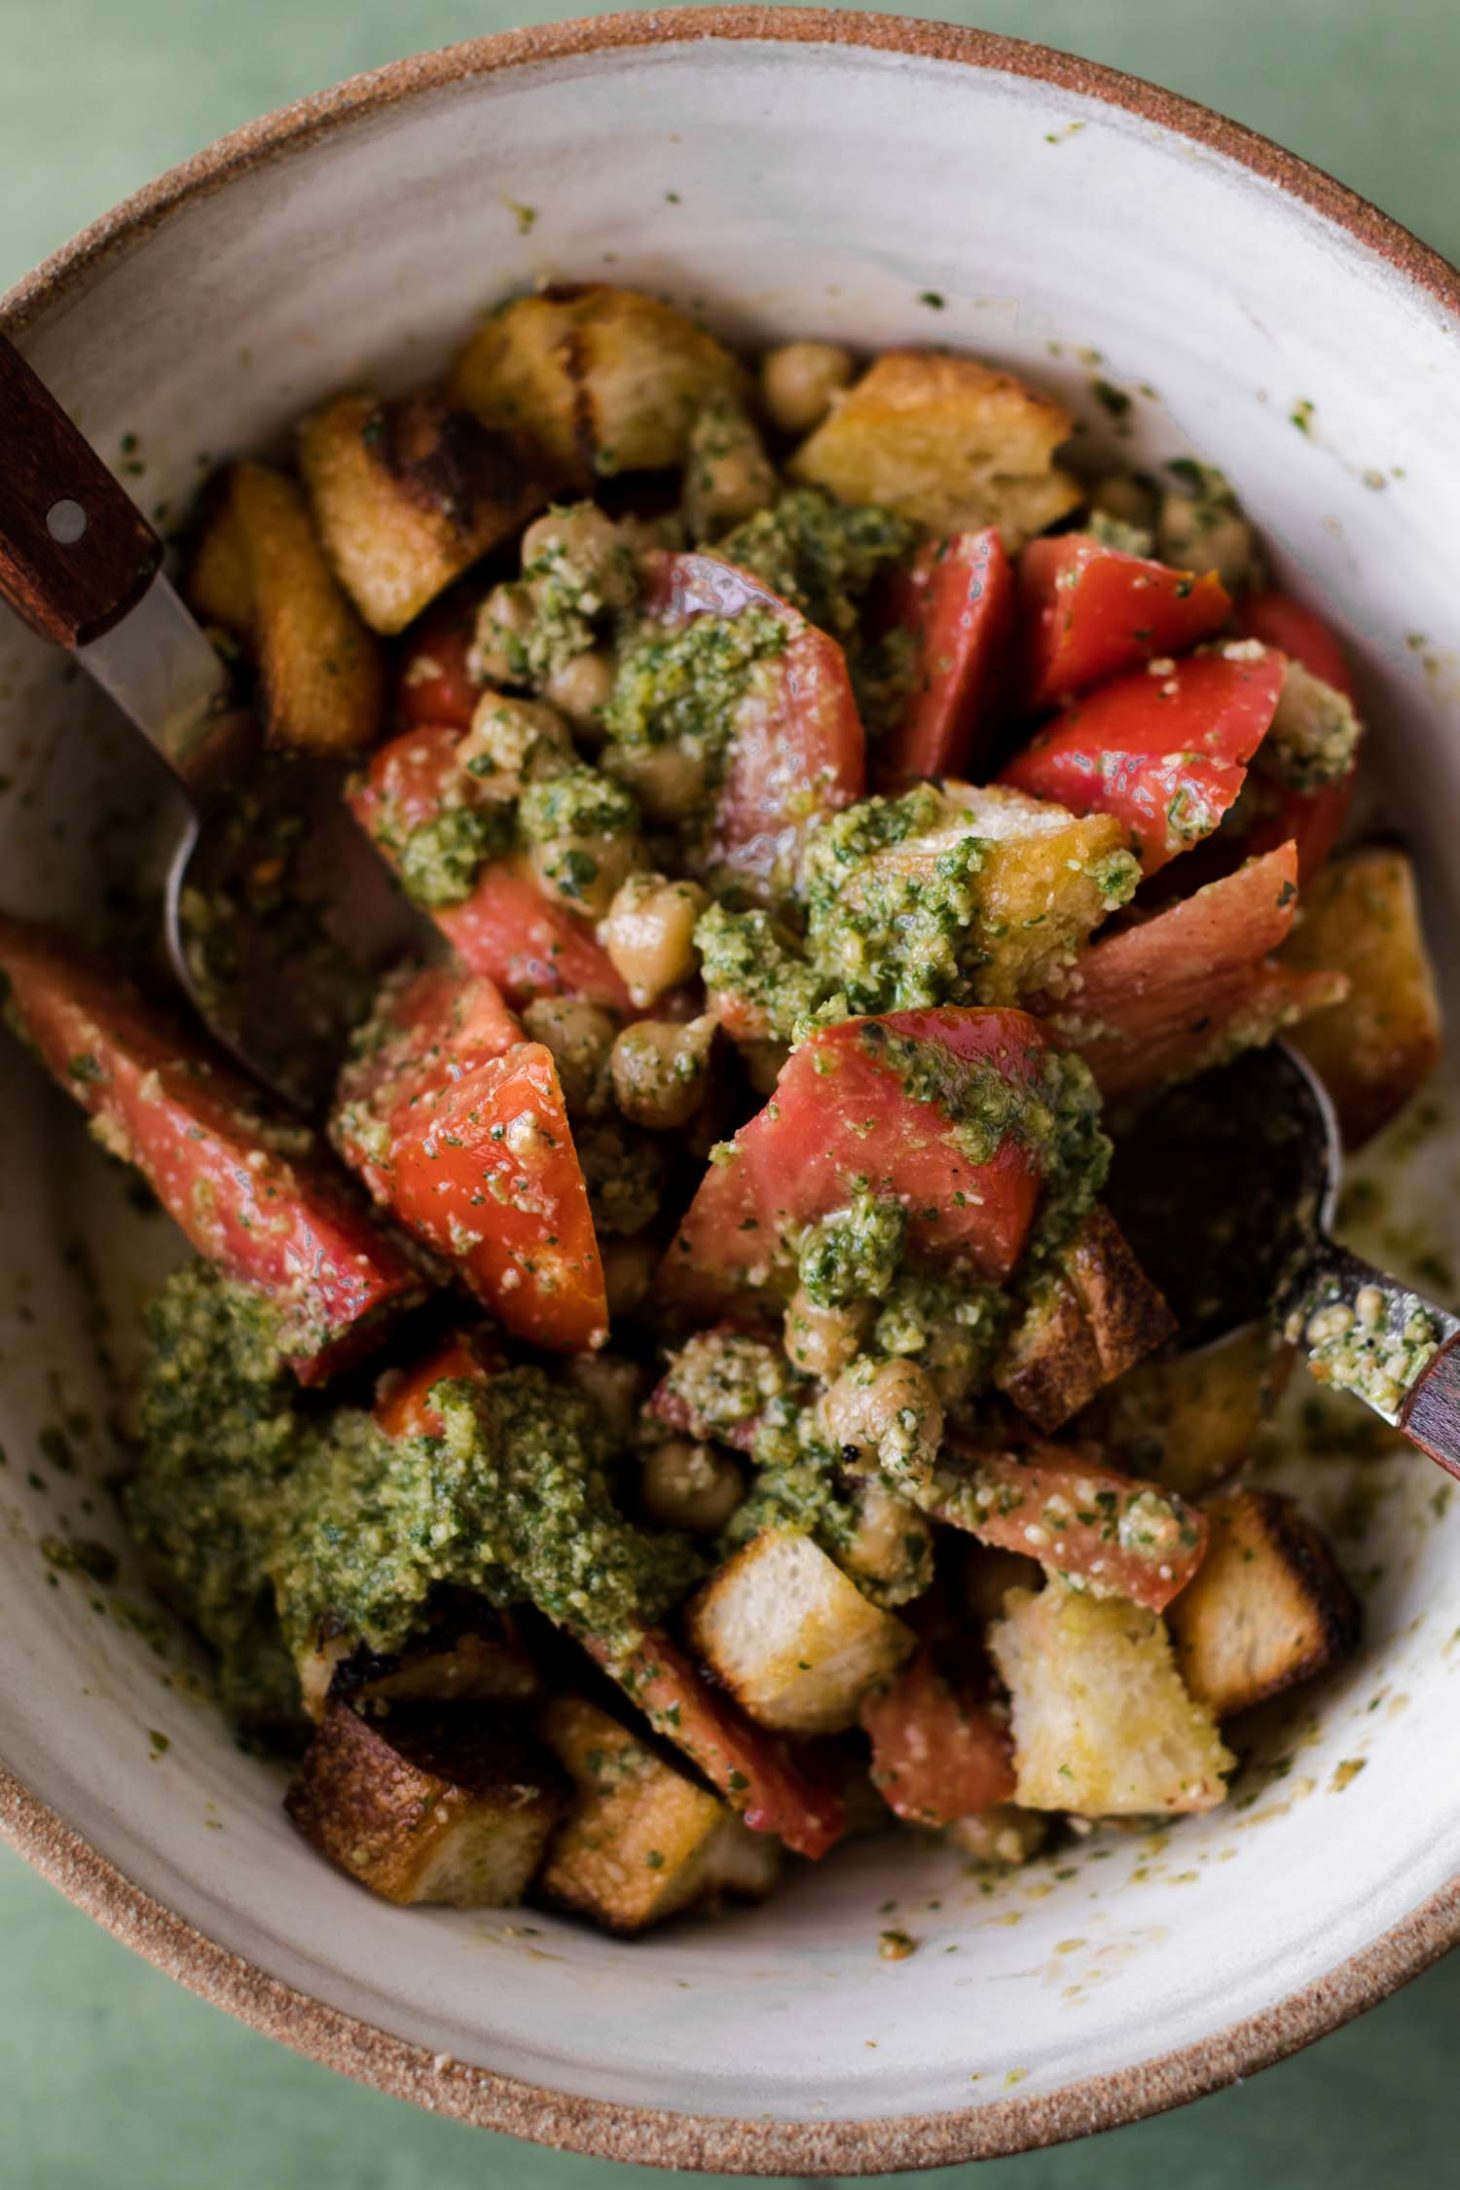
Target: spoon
x: 277, y: 913
x: 1226, y: 1187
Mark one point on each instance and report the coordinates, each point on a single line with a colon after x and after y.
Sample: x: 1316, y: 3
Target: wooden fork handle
x: 75, y: 551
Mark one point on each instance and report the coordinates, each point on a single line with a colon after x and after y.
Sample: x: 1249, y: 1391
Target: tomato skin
x: 757, y: 1772
x: 1153, y: 1000
x: 1313, y: 820
x: 1088, y: 612
x: 1049, y: 1502
x: 938, y: 1753
x: 957, y: 602
x: 799, y: 750
x: 434, y: 684
x: 1139, y: 744
x: 403, y: 1396
x: 506, y: 929
x: 256, y: 1195
x: 461, y: 1131
x: 1279, y: 621
x: 840, y: 1113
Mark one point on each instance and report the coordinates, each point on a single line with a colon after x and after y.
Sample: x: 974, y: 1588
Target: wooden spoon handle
x: 1430, y: 1415
x: 75, y: 551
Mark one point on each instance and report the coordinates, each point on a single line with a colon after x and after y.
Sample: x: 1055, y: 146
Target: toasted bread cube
x: 409, y: 494
x: 793, y: 1640
x: 600, y: 379
x: 1189, y: 1421
x: 469, y: 1653
x: 1266, y: 1608
x: 1103, y: 1723
x: 947, y: 442
x: 427, y: 1804
x: 1360, y: 916
x: 1096, y: 1316
x: 321, y: 674
x: 1000, y: 1838
x: 641, y: 1840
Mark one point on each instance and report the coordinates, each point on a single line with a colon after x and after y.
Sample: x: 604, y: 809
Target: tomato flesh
x: 1166, y: 752
x: 460, y: 1129
x: 938, y: 1753
x: 1279, y: 621
x: 255, y: 1194
x: 956, y: 603
x: 1088, y: 612
x: 841, y: 1116
x: 403, y: 1396
x: 435, y: 685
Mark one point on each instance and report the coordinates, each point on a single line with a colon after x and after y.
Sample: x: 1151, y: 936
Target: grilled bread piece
x: 947, y: 442
x: 1096, y: 1317
x: 258, y: 570
x: 795, y: 1642
x: 427, y: 1803
x: 1103, y: 1723
x: 641, y: 1840
x: 408, y: 494
x: 1267, y: 1606
x: 1189, y: 1420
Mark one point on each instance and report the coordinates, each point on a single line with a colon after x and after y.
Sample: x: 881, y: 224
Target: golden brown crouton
x: 1188, y: 1420
x: 469, y: 1653
x: 947, y: 442
x: 791, y: 1637
x: 1097, y: 1315
x: 1360, y: 916
x: 641, y: 1840
x: 409, y: 494
x: 1102, y: 1721
x: 601, y: 379
x: 1267, y: 1606
x: 260, y: 571
x: 426, y: 1804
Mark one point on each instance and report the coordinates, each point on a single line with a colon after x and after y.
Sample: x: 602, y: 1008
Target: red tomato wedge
x: 1279, y: 621
x: 798, y: 750
x: 1185, y: 988
x: 460, y: 1129
x: 1088, y: 612
x: 957, y: 604
x: 1164, y: 751
x: 758, y: 1773
x: 506, y: 929
x: 1313, y: 820
x: 255, y: 1193
x: 403, y: 1396
x: 1119, y: 1536
x: 938, y: 1753
x: 434, y: 684
x: 843, y: 1115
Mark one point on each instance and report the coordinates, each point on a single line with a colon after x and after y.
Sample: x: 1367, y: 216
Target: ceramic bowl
x: 1185, y: 286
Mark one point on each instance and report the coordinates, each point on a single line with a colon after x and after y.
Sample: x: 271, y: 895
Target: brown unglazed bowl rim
x: 606, y: 2128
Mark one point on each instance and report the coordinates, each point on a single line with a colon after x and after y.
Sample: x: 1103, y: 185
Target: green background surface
x: 110, y: 2076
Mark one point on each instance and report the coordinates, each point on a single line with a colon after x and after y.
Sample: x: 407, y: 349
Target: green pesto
x: 855, y: 1253
x: 1361, y: 1350
x: 581, y: 801
x: 440, y: 860
x: 887, y: 936
x: 942, y: 1322
x: 821, y: 556
x: 570, y: 601
x: 1314, y: 738
x: 754, y: 958
x: 624, y: 1171
x: 726, y: 1380
x: 685, y: 687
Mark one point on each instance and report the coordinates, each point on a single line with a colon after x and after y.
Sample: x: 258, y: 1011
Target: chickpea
x: 515, y: 737
x: 1204, y: 534
x: 1004, y: 1835
x: 615, y: 1387
x: 667, y: 781
x: 885, y: 1414
x: 580, y: 1036
x: 580, y: 688
x: 891, y: 1549
x: 798, y: 381
x: 498, y: 652
x: 585, y: 871
x: 728, y: 475
x: 689, y: 1486
x: 649, y: 934
x: 823, y: 1341
x: 628, y: 1274
x: 583, y: 548
x: 661, y: 1070
x: 1125, y: 498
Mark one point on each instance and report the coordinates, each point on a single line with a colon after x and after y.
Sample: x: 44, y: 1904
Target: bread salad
x: 687, y: 1400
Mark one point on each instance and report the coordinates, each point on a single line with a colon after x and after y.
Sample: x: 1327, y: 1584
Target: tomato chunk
x: 798, y: 750
x: 434, y: 684
x: 843, y: 1116
x: 505, y: 928
x: 1184, y: 989
x: 1117, y: 1535
x: 1165, y: 751
x: 938, y: 1753
x: 1279, y: 621
x: 757, y: 1772
x: 403, y: 1396
x: 255, y: 1193
x: 957, y: 605
x: 460, y: 1129
x: 1088, y: 612
x: 1313, y: 820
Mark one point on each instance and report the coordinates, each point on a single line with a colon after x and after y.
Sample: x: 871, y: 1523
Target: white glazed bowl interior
x: 811, y: 188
